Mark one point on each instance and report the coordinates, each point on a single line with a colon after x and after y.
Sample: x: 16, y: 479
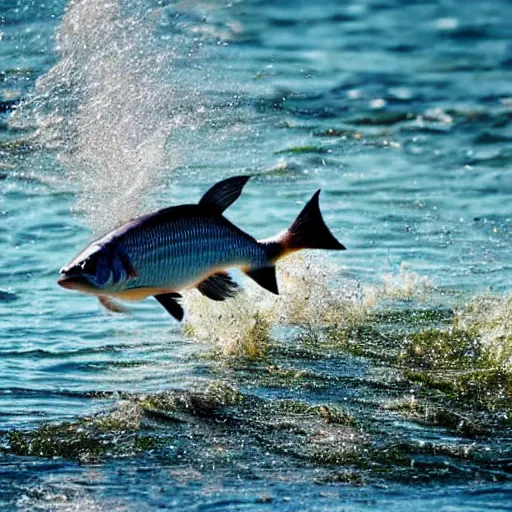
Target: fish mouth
x: 72, y: 282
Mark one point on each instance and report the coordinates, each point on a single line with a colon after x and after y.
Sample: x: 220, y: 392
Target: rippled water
x: 382, y: 376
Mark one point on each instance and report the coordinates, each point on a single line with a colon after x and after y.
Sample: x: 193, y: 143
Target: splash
x: 115, y: 124
x: 121, y: 104
x: 315, y: 294
x: 490, y: 318
x: 244, y: 326
x: 236, y: 327
x: 405, y: 285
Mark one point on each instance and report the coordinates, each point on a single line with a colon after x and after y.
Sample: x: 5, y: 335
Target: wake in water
x: 429, y: 404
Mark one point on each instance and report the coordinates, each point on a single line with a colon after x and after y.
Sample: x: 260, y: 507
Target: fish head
x: 95, y: 269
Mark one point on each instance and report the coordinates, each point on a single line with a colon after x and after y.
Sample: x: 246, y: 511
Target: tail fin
x: 308, y: 231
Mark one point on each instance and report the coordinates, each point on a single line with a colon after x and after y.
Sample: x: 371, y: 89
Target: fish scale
x: 180, y: 251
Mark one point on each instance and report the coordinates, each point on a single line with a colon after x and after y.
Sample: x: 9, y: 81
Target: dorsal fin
x: 218, y: 286
x: 224, y: 193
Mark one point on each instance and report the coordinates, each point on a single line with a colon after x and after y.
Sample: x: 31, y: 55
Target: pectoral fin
x: 112, y: 305
x: 265, y: 277
x: 218, y: 287
x: 170, y: 303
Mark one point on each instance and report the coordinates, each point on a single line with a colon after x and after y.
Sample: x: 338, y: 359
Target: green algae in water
x: 434, y: 357
x: 298, y: 150
x: 426, y: 413
x: 19, y: 146
x: 330, y: 413
x: 436, y: 348
x: 338, y: 132
x: 84, y: 440
x: 464, y: 378
x: 383, y: 118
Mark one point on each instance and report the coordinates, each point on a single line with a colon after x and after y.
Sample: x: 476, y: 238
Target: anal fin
x: 112, y: 305
x: 172, y: 306
x: 265, y: 277
x: 218, y: 287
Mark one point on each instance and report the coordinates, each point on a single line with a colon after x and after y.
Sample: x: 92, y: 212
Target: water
x: 381, y: 377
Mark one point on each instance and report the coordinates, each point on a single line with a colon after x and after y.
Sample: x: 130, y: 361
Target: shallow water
x: 382, y: 375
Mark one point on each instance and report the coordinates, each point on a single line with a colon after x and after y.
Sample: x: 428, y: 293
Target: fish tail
x: 308, y: 231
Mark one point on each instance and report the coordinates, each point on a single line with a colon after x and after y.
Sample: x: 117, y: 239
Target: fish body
x: 188, y: 246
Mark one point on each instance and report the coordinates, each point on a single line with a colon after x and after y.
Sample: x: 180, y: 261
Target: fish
x: 189, y: 246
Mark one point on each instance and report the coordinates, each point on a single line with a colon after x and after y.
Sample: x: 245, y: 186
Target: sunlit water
x: 401, y: 114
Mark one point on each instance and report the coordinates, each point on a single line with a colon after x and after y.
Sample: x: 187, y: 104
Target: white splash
x: 123, y: 104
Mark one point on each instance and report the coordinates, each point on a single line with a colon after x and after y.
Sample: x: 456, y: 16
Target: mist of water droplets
x: 123, y: 102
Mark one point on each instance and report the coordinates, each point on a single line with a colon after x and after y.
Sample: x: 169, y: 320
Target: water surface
x: 381, y: 377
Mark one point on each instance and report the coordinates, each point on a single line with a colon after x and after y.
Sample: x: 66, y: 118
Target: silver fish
x: 189, y: 246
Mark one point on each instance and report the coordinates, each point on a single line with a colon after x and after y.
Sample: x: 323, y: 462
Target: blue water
x: 400, y: 113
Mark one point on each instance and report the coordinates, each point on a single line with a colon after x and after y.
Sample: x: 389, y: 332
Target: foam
x: 244, y: 325
x: 490, y: 318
